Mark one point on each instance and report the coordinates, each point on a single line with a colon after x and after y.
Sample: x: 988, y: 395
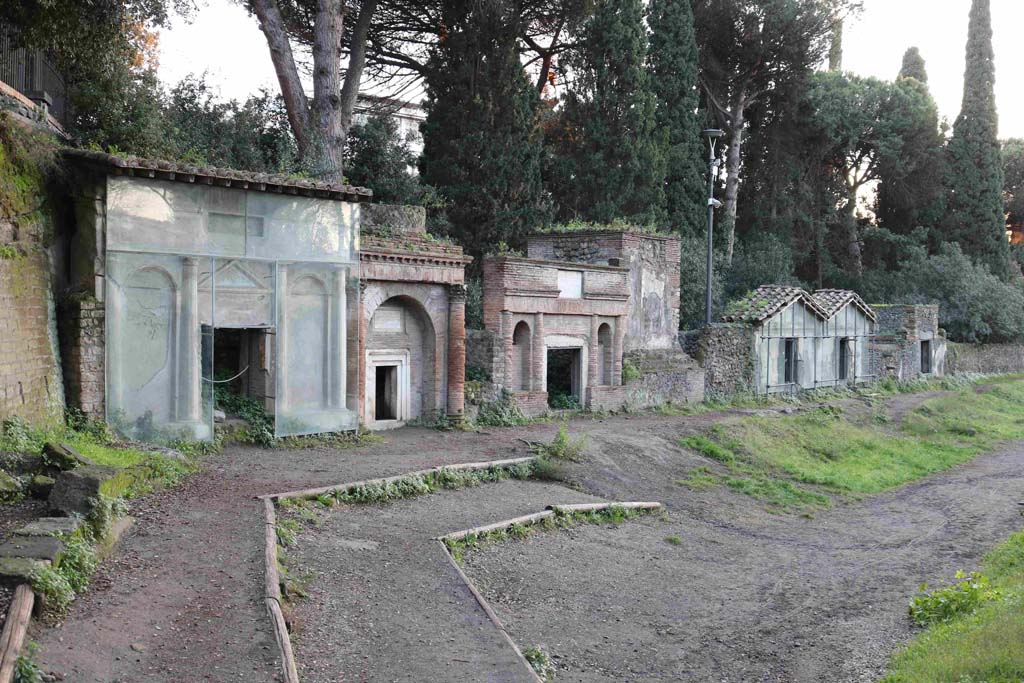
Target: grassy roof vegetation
x: 617, y: 225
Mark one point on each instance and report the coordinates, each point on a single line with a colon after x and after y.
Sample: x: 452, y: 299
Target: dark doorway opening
x: 790, y: 360
x: 386, y: 393
x: 563, y: 379
x: 926, y: 357
x: 844, y: 358
x: 237, y: 359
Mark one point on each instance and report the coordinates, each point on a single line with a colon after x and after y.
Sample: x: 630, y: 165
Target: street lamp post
x: 712, y: 134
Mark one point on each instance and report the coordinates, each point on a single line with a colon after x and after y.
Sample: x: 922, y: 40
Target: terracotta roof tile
x: 832, y: 301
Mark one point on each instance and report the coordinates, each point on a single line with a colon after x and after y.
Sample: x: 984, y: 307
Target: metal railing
x: 31, y: 73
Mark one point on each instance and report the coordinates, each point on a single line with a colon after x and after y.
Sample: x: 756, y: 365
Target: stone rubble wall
x: 984, y: 358
x: 726, y: 353
x: 669, y: 376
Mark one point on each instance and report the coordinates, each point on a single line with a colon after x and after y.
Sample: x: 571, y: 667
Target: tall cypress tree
x: 911, y: 193
x: 975, y: 175
x: 481, y: 144
x: 610, y: 163
x: 913, y: 65
x: 674, y: 70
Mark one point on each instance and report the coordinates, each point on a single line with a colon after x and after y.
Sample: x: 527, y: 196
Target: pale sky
x: 226, y: 42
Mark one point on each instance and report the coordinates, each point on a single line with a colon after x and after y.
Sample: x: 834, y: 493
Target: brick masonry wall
x: 82, y: 352
x: 653, y: 262
x: 31, y: 385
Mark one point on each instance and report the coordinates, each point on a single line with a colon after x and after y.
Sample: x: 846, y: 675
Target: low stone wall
x: 984, y: 358
x: 666, y: 376
x: 31, y: 384
x: 726, y: 352
x: 607, y: 398
x: 531, y: 403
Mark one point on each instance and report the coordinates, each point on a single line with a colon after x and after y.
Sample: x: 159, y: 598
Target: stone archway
x: 400, y: 362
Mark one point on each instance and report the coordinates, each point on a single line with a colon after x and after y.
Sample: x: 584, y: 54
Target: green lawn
x: 986, y: 646
x: 796, y: 460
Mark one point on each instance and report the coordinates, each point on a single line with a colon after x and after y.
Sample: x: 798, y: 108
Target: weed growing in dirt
x: 943, y: 604
x: 985, y: 644
x: 287, y: 531
x: 25, y: 668
x: 540, y: 662
x: 105, y: 510
x: 562, y: 447
x: 673, y: 540
x: 561, y: 519
x: 709, y: 448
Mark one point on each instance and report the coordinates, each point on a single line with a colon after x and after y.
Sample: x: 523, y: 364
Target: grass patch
x: 699, y: 479
x: 803, y: 460
x: 982, y: 643
x: 614, y: 514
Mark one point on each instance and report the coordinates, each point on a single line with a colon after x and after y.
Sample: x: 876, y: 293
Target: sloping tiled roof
x: 224, y: 177
x: 766, y: 301
x: 832, y: 301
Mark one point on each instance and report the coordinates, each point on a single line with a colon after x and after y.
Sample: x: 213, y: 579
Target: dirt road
x: 752, y: 593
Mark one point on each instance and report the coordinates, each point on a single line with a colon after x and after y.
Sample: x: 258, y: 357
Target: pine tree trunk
x: 324, y: 154
x: 853, y: 232
x: 732, y: 179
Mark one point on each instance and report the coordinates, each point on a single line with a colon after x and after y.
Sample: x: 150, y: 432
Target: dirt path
x: 386, y: 604
x: 181, y: 599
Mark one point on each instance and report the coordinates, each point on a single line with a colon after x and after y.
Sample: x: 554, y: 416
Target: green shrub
x: 630, y: 372
x: 25, y: 668
x: 501, y: 413
x: 77, y: 563
x: 943, y: 604
x: 54, y: 588
x: 562, y: 447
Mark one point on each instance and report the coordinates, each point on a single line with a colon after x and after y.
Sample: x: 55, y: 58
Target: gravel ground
x: 386, y: 604
x: 777, y: 595
x: 746, y: 596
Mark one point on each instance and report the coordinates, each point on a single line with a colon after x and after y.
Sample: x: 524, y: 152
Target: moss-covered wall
x: 31, y: 382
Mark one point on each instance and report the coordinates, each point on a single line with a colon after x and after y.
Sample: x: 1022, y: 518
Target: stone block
x: 9, y: 485
x: 41, y: 486
x: 33, y: 547
x: 63, y: 456
x: 75, y: 489
x: 21, y: 463
x: 50, y: 526
x: 16, y: 570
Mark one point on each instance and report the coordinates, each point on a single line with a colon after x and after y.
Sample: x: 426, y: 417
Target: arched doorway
x: 400, y: 364
x: 521, y: 356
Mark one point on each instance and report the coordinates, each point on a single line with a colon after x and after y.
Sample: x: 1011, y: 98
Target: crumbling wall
x: 667, y: 376
x: 727, y: 354
x: 895, y: 350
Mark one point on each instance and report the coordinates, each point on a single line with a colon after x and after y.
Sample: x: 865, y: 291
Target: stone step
x: 50, y: 526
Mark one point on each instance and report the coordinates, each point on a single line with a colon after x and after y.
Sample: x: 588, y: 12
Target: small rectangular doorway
x: 926, y: 357
x: 386, y: 394
x: 844, y: 359
x: 564, y: 379
x: 789, y: 361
